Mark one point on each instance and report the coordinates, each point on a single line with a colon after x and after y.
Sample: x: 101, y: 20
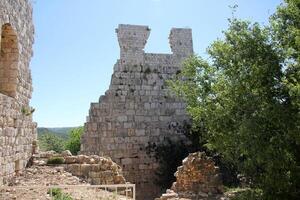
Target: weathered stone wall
x: 94, y: 169
x: 197, y: 179
x: 17, y: 131
x: 138, y: 108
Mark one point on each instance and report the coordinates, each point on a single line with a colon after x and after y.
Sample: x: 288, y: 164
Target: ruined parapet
x: 197, y: 179
x: 132, y: 41
x: 138, y: 108
x: 181, y: 42
x: 17, y: 131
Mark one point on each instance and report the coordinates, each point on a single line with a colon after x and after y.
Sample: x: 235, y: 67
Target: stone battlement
x: 133, y: 38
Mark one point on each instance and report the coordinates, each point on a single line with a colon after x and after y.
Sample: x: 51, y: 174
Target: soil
x: 36, y: 177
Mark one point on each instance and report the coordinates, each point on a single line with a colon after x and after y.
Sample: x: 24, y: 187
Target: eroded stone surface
x: 197, y: 179
x: 138, y: 108
x: 94, y: 169
x: 17, y: 131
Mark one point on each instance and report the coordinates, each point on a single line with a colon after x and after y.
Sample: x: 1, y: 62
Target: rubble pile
x: 95, y: 169
x: 197, y: 179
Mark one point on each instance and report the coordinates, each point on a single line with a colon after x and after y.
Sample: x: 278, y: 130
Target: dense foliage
x: 49, y: 141
x: 246, y: 98
x: 62, y: 132
x: 60, y: 141
x: 73, y: 143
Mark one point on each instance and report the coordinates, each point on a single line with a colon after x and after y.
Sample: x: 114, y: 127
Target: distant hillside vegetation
x: 61, y: 132
x: 58, y: 139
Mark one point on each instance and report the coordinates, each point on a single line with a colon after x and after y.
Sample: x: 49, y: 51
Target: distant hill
x: 62, y: 132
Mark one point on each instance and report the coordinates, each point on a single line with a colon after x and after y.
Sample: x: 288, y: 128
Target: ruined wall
x: 138, y: 108
x: 94, y: 169
x: 197, y: 179
x: 17, y: 131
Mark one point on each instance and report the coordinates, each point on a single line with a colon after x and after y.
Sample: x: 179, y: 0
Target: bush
x: 57, y: 194
x: 73, y: 143
x: 55, y: 161
x: 55, y: 191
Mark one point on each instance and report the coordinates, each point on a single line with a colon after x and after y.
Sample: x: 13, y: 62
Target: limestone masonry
x: 76, y: 171
x: 17, y: 131
x: 138, y: 108
x: 94, y: 169
x: 197, y: 179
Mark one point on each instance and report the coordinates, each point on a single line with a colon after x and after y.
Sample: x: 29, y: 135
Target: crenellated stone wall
x: 17, y: 131
x: 138, y: 108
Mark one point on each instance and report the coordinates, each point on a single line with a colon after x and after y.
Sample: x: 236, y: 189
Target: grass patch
x: 57, y: 194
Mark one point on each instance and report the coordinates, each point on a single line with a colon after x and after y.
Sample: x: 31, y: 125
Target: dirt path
x: 51, y: 176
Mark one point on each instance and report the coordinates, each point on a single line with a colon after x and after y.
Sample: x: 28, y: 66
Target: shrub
x: 57, y: 194
x: 55, y: 161
x: 73, y: 143
x: 55, y: 191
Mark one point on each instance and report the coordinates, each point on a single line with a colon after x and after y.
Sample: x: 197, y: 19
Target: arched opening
x: 9, y: 57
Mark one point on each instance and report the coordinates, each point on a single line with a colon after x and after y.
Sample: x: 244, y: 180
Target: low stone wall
x: 95, y: 169
x: 197, y: 179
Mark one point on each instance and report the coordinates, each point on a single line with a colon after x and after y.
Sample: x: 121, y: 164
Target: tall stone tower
x: 138, y: 109
x: 17, y: 131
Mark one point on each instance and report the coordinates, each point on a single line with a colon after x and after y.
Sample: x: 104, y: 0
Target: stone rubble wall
x: 138, y: 109
x: 197, y: 179
x: 17, y: 131
x: 94, y: 169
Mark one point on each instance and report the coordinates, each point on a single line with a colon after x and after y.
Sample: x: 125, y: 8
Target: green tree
x: 50, y: 141
x: 73, y: 143
x: 246, y: 97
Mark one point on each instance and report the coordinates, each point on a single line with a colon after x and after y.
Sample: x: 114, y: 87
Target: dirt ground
x: 37, y: 176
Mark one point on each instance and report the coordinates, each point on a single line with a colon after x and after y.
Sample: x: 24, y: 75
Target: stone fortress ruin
x: 138, y: 108
x: 17, y: 131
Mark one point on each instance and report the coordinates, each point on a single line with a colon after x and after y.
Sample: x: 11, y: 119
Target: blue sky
x: 76, y: 45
